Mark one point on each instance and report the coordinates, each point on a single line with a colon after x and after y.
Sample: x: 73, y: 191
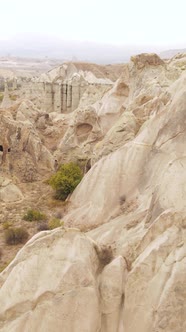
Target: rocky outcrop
x: 155, y: 284
x: 20, y: 143
x: 178, y: 61
x: 159, y: 143
x: 64, y: 293
x: 138, y: 95
x: 126, y: 272
x: 91, y: 122
x: 74, y: 286
x: 9, y: 192
x: 61, y: 89
x: 122, y: 132
x: 144, y: 59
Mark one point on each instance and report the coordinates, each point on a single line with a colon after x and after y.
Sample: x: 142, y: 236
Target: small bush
x: 54, y: 223
x: 7, y: 224
x: 65, y: 180
x: 1, y: 97
x: 13, y: 97
x: 43, y: 226
x: 34, y: 215
x: 16, y: 235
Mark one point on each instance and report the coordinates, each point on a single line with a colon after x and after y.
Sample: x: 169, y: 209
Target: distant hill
x: 170, y: 53
x: 86, y: 51
x: 43, y: 46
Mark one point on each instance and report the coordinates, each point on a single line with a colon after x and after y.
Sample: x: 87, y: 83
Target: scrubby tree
x: 65, y: 180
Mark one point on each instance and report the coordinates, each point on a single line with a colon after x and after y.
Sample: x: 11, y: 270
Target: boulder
x: 9, y: 192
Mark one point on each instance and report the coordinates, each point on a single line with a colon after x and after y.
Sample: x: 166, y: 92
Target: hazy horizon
x: 88, y: 29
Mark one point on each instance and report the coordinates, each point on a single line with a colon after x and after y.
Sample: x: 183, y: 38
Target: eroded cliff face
x: 123, y: 267
x: 61, y: 89
x: 23, y: 153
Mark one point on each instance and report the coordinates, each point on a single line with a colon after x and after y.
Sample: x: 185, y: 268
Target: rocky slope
x: 119, y: 262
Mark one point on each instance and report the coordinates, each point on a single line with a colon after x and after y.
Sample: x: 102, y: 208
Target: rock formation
x: 118, y: 263
x: 61, y: 89
x: 9, y: 192
x: 23, y: 154
x: 6, y: 102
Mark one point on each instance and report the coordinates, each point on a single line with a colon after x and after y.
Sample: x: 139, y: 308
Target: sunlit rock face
x: 119, y: 262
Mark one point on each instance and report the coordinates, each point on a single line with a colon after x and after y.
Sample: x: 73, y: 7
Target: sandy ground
x: 38, y: 196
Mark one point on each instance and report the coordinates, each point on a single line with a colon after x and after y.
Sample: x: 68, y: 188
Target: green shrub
x: 1, y: 253
x: 65, y: 180
x: 16, y: 235
x: 54, y: 223
x: 34, y: 215
x: 13, y: 97
x: 7, y: 224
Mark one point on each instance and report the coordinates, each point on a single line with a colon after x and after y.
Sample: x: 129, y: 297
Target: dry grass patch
x: 15, y: 235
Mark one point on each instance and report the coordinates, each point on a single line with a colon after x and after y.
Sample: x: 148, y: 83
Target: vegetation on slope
x: 65, y: 180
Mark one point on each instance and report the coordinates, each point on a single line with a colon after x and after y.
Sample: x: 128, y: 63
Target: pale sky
x: 127, y: 22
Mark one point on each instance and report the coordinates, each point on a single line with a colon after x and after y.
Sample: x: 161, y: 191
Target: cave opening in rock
x: 83, y: 129
x: 1, y: 149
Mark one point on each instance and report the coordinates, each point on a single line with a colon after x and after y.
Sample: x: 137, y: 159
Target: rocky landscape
x: 117, y: 263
